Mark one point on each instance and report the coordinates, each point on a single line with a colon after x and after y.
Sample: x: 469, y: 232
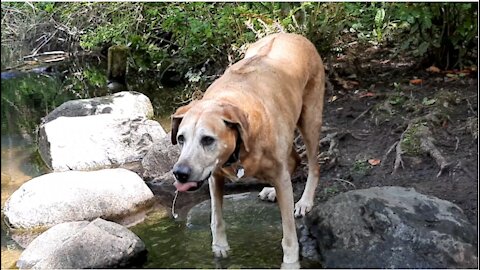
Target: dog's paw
x: 295, y: 265
x: 302, y: 207
x: 220, y: 251
x: 268, y: 194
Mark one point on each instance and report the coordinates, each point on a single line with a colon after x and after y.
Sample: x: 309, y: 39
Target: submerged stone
x: 244, y: 210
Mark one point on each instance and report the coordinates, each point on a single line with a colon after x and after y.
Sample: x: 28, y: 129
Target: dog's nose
x: 182, y: 172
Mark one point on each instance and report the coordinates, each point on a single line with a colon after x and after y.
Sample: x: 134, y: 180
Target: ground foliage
x: 196, y: 39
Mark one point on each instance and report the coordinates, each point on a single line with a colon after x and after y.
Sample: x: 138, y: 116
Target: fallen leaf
x: 332, y: 99
x: 374, y: 162
x: 416, y: 81
x: 367, y: 94
x: 433, y: 69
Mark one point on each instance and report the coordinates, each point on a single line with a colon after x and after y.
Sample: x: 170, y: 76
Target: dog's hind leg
x: 220, y: 246
x: 310, y: 124
x: 269, y: 193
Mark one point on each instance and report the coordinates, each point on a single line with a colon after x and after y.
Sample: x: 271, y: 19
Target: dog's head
x: 210, y: 134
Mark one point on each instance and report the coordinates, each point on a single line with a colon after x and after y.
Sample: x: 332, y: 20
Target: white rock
x: 126, y: 104
x: 159, y: 160
x: 74, y: 196
x: 97, y: 141
x: 83, y: 244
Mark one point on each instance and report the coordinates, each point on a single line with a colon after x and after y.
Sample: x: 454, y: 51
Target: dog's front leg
x: 219, y: 237
x: 285, y: 201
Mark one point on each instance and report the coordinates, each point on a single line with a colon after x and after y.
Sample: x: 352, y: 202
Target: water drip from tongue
x: 182, y: 187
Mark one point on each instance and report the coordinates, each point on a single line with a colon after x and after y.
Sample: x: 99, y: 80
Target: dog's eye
x: 180, y: 139
x: 207, y: 140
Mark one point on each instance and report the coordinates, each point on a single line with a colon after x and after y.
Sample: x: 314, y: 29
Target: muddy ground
x: 372, y: 104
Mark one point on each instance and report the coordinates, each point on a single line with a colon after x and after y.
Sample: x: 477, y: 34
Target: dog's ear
x: 177, y: 119
x: 232, y: 115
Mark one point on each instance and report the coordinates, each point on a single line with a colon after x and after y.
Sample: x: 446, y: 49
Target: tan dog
x: 244, y: 126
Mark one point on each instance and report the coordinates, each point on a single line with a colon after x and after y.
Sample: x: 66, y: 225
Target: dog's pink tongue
x: 184, y: 186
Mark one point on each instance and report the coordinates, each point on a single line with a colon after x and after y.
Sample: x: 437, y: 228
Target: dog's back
x: 297, y: 55
x: 273, y: 80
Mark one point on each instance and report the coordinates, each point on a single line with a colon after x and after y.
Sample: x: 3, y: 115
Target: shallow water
x: 254, y: 235
x: 19, y: 164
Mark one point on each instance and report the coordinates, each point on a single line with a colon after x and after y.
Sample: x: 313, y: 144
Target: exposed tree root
x: 327, y: 158
x: 462, y: 166
x: 398, y: 150
x: 426, y: 144
x: 423, y: 135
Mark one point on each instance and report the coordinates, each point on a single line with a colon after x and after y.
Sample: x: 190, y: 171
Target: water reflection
x: 19, y: 164
x: 27, y: 96
x: 172, y: 244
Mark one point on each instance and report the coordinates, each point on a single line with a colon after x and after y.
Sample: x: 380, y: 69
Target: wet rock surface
x: 389, y: 227
x: 83, y: 244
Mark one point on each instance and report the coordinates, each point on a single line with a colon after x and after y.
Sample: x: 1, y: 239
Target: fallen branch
x: 362, y: 114
x: 45, y: 53
x: 457, y: 143
x: 344, y: 181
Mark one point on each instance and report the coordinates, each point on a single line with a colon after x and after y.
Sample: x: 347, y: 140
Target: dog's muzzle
x: 182, y: 174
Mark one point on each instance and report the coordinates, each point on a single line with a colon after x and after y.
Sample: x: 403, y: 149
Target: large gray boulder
x: 83, y: 244
x: 73, y: 196
x: 158, y: 162
x: 97, y: 141
x: 125, y: 104
x: 389, y: 227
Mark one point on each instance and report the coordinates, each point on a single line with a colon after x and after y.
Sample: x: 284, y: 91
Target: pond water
x: 26, y: 97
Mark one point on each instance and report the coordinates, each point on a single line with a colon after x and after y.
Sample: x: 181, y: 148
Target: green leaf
x: 380, y: 16
x: 423, y: 47
x: 428, y: 102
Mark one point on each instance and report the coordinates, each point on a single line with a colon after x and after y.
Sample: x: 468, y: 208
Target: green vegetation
x: 22, y: 101
x: 204, y: 37
x: 361, y: 167
x: 195, y: 41
x: 411, y: 139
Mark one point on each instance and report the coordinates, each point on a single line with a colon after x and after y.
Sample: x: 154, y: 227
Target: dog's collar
x: 235, y: 156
